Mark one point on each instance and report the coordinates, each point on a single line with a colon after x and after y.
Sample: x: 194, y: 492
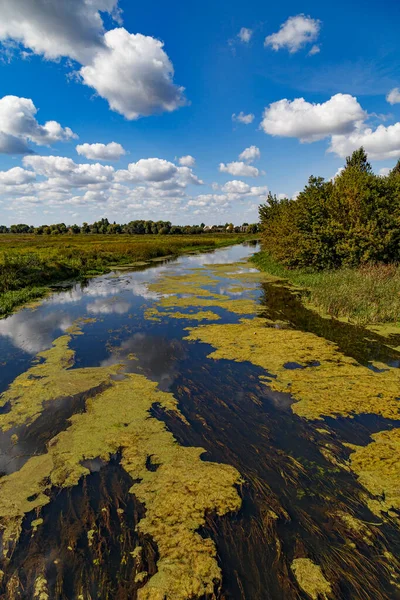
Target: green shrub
x: 351, y: 221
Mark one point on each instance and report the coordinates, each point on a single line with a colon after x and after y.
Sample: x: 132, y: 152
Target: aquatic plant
x: 378, y: 468
x: 153, y: 314
x: 49, y: 379
x: 327, y: 383
x: 311, y: 579
x: 177, y: 493
x: 189, y: 290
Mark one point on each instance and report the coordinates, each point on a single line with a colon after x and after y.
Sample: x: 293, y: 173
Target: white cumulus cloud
x: 111, y: 151
x: 236, y: 187
x: 393, y: 96
x: 250, y: 154
x: 295, y: 33
x: 243, y: 118
x: 55, y: 28
x: 245, y: 35
x: 187, y: 161
x: 239, y: 169
x: 148, y: 169
x: 134, y: 74
x: 16, y: 176
x: 314, y: 50
x: 310, y: 122
x: 380, y: 144
x: 131, y: 71
x: 18, y: 127
x: 62, y: 171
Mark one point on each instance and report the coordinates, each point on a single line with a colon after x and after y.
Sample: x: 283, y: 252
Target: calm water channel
x: 83, y: 545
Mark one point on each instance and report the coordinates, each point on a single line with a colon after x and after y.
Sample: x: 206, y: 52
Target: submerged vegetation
x: 177, y: 493
x: 321, y: 380
x: 29, y: 263
x: 285, y: 416
x: 323, y: 383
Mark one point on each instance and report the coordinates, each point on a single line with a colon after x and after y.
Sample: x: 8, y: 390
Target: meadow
x: 29, y: 264
x: 368, y: 294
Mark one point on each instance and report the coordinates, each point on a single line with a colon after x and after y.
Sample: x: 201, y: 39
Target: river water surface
x: 281, y: 511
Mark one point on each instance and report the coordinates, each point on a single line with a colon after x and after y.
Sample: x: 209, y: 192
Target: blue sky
x: 314, y: 81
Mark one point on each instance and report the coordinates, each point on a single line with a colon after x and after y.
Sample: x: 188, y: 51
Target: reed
x: 369, y: 294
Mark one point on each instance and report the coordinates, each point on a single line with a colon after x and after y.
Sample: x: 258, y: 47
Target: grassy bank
x: 29, y: 263
x: 366, y: 295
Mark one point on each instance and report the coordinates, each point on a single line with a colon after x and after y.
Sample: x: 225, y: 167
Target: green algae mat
x: 191, y: 431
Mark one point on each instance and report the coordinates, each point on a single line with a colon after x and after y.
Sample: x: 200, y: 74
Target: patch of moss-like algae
x: 378, y: 467
x: 185, y: 291
x: 310, y: 578
x: 176, y: 495
x: 329, y: 384
x: 325, y: 384
x: 152, y: 314
x: 49, y: 379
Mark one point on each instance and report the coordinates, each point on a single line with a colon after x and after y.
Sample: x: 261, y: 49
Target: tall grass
x: 366, y: 295
x: 29, y: 263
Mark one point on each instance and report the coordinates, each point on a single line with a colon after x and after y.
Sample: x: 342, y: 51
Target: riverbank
x: 368, y: 295
x: 29, y: 264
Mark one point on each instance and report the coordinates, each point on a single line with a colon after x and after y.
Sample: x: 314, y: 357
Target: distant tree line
x: 138, y: 227
x: 348, y: 221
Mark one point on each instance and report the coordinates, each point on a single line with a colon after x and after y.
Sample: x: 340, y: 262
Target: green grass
x: 366, y: 295
x: 29, y: 263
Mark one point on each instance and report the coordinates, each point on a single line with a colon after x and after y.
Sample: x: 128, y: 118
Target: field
x: 364, y: 295
x: 29, y: 263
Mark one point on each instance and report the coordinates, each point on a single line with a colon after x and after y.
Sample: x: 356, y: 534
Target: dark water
x: 291, y: 494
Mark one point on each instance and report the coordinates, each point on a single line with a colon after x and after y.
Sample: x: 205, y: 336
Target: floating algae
x: 332, y: 384
x: 336, y: 385
x: 378, y: 468
x: 184, y: 284
x: 153, y: 314
x: 41, y: 589
x: 35, y: 524
x: 357, y: 527
x: 310, y: 578
x: 241, y: 307
x: 184, y: 291
x: 49, y: 380
x: 240, y: 288
x: 20, y: 493
x: 177, y: 495
x: 238, y: 422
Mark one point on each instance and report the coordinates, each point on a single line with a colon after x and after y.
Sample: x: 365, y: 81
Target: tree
x: 395, y: 172
x: 359, y: 160
x: 351, y: 221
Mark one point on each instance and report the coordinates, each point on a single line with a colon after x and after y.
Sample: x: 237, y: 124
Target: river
x: 187, y: 429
